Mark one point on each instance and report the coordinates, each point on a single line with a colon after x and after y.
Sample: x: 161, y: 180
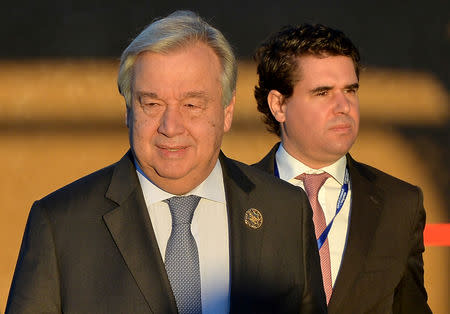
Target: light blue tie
x: 182, y: 265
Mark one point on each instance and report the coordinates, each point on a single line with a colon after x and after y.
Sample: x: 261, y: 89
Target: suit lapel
x: 245, y: 243
x: 131, y: 229
x: 365, y: 211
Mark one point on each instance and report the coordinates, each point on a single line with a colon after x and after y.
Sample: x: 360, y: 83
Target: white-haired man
x: 174, y: 226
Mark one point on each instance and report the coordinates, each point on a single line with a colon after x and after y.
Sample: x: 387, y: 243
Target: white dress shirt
x: 210, y: 230
x: 289, y: 168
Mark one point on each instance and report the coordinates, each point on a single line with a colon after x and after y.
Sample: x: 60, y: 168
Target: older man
x: 174, y: 226
x: 368, y: 224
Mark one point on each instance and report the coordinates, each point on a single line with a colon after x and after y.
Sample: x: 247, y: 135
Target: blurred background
x: 61, y: 116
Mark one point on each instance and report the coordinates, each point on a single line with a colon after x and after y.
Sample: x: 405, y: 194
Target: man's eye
x: 147, y: 107
x: 322, y: 93
x: 193, y: 106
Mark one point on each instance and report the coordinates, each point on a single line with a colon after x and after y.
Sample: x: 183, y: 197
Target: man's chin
x: 342, y: 144
x: 171, y: 173
x: 340, y: 151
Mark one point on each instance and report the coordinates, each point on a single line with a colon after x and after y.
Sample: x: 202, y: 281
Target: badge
x: 253, y: 218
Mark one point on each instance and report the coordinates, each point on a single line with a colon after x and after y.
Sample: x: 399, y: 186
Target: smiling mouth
x: 172, y: 149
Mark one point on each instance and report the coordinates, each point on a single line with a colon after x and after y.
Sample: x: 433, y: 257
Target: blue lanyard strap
x: 340, y: 202
x: 276, y: 173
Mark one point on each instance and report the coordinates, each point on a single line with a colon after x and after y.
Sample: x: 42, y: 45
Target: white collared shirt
x: 210, y: 230
x: 289, y: 168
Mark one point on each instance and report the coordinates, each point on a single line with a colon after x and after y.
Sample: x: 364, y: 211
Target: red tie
x: 313, y: 183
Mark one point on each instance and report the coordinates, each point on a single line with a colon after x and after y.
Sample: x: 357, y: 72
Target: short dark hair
x: 277, y: 64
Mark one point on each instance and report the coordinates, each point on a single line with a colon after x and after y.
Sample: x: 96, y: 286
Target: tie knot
x: 313, y: 182
x: 182, y: 208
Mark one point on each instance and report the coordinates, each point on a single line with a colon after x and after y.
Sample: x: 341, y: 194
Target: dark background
x: 400, y: 34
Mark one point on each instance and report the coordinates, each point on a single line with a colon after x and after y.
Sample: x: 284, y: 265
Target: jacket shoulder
x: 268, y: 161
x: 379, y: 177
x: 84, y: 193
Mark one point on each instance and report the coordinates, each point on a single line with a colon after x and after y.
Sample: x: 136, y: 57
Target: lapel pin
x: 253, y: 218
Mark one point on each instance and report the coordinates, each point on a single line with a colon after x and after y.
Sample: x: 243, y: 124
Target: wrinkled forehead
x: 193, y: 72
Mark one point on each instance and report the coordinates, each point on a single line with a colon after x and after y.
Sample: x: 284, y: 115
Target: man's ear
x: 228, y: 111
x: 277, y: 106
x: 128, y: 115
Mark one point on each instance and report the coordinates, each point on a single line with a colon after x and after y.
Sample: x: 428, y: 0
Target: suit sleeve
x: 35, y: 285
x: 410, y: 295
x: 313, y: 299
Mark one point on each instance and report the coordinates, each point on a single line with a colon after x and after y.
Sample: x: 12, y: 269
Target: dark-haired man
x: 368, y: 224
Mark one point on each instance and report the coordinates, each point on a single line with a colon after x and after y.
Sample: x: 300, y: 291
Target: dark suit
x: 382, y: 266
x: 90, y: 248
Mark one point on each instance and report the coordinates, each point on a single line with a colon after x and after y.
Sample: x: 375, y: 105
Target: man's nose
x: 342, y: 103
x: 172, y: 122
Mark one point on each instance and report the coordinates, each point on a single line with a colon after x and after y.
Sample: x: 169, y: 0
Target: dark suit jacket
x: 90, y: 248
x: 382, y: 266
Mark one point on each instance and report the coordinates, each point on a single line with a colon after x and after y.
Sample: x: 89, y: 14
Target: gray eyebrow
x: 190, y: 94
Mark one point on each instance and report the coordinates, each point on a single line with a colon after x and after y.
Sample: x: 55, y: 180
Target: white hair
x: 170, y: 33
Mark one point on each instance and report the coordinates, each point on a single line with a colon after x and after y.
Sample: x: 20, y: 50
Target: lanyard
x: 340, y: 202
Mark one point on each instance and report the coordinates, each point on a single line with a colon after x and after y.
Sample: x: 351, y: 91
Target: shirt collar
x: 289, y: 167
x: 211, y: 188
